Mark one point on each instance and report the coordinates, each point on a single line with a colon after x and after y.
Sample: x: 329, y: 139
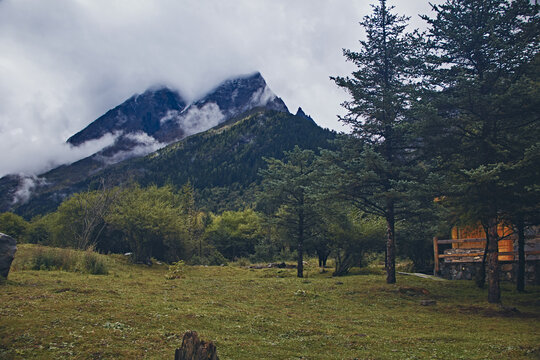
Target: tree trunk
x: 300, y: 248
x: 343, y: 263
x: 323, y: 257
x: 390, y: 246
x: 521, y: 255
x: 481, y: 276
x: 494, y: 291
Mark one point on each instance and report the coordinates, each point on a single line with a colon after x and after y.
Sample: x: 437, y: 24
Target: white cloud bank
x: 64, y: 63
x: 145, y: 144
x: 26, y: 186
x: 200, y: 119
x: 39, y: 153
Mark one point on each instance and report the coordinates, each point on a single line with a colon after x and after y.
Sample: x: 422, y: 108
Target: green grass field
x: 134, y: 312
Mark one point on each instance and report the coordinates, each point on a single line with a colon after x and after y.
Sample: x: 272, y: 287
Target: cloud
x: 26, y: 186
x: 38, y: 154
x: 261, y: 97
x: 65, y: 63
x: 200, y: 119
x: 145, y: 145
x: 170, y: 115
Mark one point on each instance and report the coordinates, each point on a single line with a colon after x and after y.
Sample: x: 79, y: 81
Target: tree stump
x: 194, y: 348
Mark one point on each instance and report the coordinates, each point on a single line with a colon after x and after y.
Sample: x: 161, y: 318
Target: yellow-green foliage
x: 13, y: 225
x: 35, y: 257
x: 135, y: 313
x: 176, y: 270
x: 235, y: 233
x: 150, y: 216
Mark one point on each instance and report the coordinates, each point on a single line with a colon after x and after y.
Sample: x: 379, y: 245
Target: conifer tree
x: 288, y: 183
x: 479, y: 52
x: 382, y: 89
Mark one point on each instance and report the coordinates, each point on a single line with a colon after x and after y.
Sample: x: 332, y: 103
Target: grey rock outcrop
x: 8, y: 247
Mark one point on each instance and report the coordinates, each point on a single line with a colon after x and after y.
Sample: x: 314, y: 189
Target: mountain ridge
x: 221, y: 163
x: 153, y: 120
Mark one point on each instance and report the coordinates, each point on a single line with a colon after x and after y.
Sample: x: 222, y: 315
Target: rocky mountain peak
x: 301, y: 113
x: 237, y: 95
x: 139, y: 113
x: 160, y: 115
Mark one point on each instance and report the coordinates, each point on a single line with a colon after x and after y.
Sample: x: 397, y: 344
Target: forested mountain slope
x: 221, y: 163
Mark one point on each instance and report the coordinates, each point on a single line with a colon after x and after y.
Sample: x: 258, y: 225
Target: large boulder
x: 8, y: 247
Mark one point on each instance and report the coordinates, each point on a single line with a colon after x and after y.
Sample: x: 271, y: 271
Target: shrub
x: 243, y: 262
x: 44, y: 258
x: 265, y: 250
x: 13, y: 225
x: 93, y: 263
x: 53, y: 259
x: 176, y: 270
x: 211, y: 257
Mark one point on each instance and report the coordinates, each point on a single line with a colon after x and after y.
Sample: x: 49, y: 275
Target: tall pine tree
x: 382, y: 89
x: 479, y: 52
x: 289, y: 185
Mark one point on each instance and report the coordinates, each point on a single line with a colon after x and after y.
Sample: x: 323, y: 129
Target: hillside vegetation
x: 135, y: 312
x: 222, y: 163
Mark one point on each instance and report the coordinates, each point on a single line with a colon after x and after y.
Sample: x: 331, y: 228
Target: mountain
x: 142, y: 124
x: 217, y: 143
x: 139, y: 113
x: 159, y: 116
x: 221, y: 163
x: 146, y: 122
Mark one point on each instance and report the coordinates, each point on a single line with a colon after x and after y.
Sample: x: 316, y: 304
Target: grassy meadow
x: 134, y: 312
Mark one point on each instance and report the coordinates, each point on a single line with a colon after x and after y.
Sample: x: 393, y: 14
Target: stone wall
x: 508, y: 271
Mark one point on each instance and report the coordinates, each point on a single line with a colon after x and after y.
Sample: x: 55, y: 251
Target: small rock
x: 428, y: 302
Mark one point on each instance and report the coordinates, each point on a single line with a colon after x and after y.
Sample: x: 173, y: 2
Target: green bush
x: 53, y: 259
x: 13, y: 225
x: 88, y: 262
x: 94, y: 263
x: 210, y: 256
x: 265, y: 251
x: 243, y: 262
x: 176, y: 270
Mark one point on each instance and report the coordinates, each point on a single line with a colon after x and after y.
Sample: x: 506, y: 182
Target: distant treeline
x: 167, y: 224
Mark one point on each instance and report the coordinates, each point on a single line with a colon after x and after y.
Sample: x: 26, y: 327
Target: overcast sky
x: 63, y: 63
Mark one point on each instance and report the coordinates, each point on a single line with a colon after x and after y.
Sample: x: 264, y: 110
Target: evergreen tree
x: 288, y: 184
x: 479, y: 52
x: 378, y: 173
x: 523, y: 172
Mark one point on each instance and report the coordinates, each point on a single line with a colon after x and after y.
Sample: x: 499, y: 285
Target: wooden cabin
x: 472, y: 233
x: 460, y: 256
